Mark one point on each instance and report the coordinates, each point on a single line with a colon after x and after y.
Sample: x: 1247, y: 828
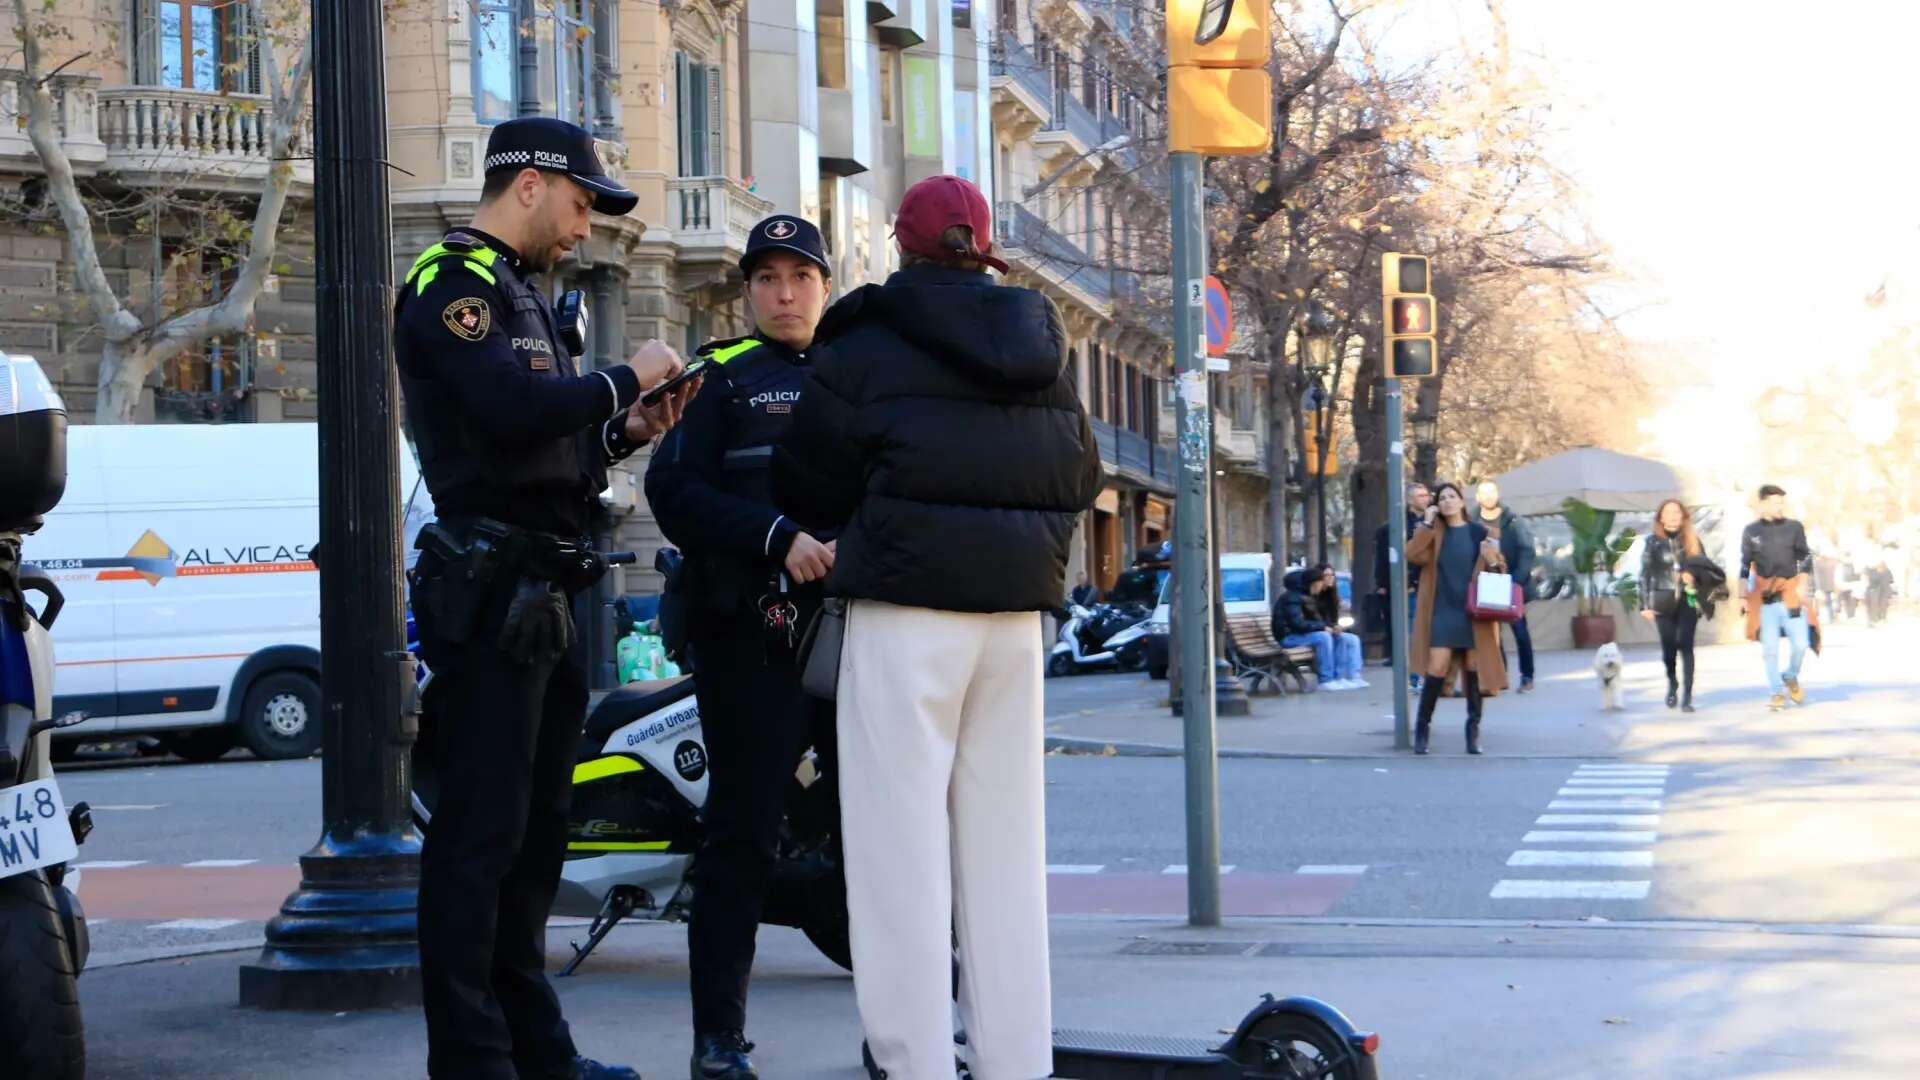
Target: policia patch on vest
x: 468, y: 318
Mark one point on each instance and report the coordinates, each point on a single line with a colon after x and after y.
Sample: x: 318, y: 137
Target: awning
x: 1604, y: 479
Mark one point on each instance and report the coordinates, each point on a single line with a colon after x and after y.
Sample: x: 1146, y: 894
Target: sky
x: 1753, y: 166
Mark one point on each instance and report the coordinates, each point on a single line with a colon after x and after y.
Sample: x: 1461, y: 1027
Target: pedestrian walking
x: 1451, y: 645
x: 1516, y: 547
x: 1879, y: 592
x: 754, y: 578
x: 1775, y: 567
x: 1671, y: 595
x: 931, y: 385
x: 1300, y: 618
x: 1826, y: 579
x: 1418, y: 499
x: 514, y: 445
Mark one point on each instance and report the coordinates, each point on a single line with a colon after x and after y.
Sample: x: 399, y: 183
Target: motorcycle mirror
x: 69, y: 720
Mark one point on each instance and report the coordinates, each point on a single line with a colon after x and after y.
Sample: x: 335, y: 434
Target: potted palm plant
x: 1595, y: 555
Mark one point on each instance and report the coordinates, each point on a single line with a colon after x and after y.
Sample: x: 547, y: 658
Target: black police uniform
x: 709, y: 487
x: 514, y: 441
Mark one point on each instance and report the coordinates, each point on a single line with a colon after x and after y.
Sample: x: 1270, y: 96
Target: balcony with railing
x: 1022, y: 83
x: 1051, y: 256
x: 1073, y: 121
x: 1131, y: 456
x: 74, y: 118
x: 156, y: 133
x: 710, y: 217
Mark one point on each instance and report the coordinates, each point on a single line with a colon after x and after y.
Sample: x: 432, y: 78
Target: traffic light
x: 1317, y: 463
x: 1219, y: 95
x: 1409, y: 317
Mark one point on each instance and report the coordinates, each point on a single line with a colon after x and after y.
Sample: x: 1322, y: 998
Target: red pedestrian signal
x: 1413, y: 314
x: 1409, y: 317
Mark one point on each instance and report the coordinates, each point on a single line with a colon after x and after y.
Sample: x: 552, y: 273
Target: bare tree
x: 132, y: 346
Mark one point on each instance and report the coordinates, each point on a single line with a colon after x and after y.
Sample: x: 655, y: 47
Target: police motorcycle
x: 1104, y: 636
x: 43, y: 932
x: 634, y: 828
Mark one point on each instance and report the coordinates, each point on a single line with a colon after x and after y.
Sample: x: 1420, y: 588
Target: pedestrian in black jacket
x: 1418, y: 499
x: 1670, y: 596
x: 943, y: 439
x: 1516, y: 547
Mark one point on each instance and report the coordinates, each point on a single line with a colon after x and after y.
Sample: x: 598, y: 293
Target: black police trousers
x: 504, y: 736
x: 757, y: 723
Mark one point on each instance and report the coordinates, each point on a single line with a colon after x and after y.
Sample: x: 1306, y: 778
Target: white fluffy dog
x: 1606, y: 668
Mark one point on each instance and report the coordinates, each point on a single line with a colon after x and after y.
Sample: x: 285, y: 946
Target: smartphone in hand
x: 692, y: 371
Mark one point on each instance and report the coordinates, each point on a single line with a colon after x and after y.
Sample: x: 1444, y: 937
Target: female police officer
x: 752, y: 585
x: 514, y: 444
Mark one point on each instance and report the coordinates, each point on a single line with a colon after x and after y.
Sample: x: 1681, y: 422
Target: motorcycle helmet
x: 33, y: 444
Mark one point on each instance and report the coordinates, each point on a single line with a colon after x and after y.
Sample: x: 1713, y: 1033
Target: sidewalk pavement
x: 1561, y: 718
x: 1451, y: 1000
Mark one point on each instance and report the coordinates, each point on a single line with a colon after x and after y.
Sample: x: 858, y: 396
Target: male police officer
x: 514, y: 445
x: 753, y: 584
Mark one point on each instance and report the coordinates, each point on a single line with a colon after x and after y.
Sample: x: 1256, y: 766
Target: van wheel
x: 205, y: 744
x: 281, y: 717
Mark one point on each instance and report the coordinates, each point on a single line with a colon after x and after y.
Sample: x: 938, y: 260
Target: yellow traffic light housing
x: 1219, y: 95
x: 1409, y: 317
x: 1218, y: 33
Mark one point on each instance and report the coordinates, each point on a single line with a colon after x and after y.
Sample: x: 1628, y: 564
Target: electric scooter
x: 634, y: 826
x: 43, y: 931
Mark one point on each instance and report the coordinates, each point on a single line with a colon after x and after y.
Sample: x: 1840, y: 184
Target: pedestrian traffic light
x: 1409, y: 317
x: 1219, y: 95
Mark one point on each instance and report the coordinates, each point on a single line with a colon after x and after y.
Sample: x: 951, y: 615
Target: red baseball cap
x: 935, y: 205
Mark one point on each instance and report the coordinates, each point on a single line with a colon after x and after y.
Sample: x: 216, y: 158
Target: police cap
x: 542, y: 142
x: 785, y: 232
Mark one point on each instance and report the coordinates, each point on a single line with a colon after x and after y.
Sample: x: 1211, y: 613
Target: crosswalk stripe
x: 1603, y: 781
x: 197, y: 924
x: 1604, y: 804
x: 1581, y: 858
x: 1631, y: 821
x: 1610, y: 770
x: 1074, y: 868
x: 1313, y: 868
x: 209, y: 864
x: 1525, y: 889
x: 1576, y: 836
x: 1588, y: 792
x: 1181, y: 868
x: 109, y: 864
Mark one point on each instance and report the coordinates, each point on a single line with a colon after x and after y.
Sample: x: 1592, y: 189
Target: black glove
x: 539, y: 626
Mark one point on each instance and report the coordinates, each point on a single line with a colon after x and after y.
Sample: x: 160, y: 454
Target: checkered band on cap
x: 508, y: 157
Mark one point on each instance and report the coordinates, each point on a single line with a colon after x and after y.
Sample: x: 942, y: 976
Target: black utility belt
x: 485, y: 549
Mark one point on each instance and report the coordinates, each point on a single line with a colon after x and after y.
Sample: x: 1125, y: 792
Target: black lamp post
x: 1316, y: 340
x: 1425, y: 427
x: 346, y: 938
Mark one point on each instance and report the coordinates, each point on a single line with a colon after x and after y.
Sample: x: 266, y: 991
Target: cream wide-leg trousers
x: 943, y: 815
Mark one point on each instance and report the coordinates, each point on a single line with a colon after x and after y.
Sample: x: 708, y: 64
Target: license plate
x: 33, y: 828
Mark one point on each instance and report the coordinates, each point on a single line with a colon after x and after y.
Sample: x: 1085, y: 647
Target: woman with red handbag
x: 1447, y: 640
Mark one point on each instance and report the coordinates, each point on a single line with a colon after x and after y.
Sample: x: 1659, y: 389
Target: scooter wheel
x: 40, y: 1023
x: 1285, y: 1044
x: 1059, y: 665
x: 1133, y: 658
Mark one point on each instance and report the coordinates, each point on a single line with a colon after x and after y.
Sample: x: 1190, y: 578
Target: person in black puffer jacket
x: 941, y: 439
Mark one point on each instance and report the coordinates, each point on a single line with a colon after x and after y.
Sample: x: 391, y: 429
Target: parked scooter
x: 43, y: 932
x: 634, y: 828
x: 1101, y: 637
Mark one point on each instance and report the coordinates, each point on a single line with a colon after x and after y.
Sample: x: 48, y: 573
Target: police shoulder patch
x: 468, y: 317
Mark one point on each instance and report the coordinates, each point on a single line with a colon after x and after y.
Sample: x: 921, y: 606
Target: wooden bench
x: 1253, y: 651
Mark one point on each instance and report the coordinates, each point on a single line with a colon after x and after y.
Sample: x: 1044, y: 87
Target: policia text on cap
x: 514, y: 445
x: 752, y: 580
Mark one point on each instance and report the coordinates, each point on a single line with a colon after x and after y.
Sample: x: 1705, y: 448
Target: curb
x: 129, y: 957
x: 1074, y: 745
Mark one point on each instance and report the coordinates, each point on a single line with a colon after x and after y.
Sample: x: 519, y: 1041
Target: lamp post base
x: 348, y: 937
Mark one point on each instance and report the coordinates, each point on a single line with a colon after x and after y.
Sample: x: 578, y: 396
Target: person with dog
x: 1447, y: 641
x: 1776, y: 567
x: 946, y: 561
x: 753, y: 581
x: 1516, y: 547
x: 1671, y: 596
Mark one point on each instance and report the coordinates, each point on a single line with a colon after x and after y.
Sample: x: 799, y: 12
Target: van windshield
x: 1243, y: 585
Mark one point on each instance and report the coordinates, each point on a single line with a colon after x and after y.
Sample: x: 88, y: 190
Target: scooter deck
x: 1069, y: 1043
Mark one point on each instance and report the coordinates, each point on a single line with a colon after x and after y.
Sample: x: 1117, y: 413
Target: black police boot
x: 589, y: 1069
x: 1474, y: 700
x: 722, y: 1055
x: 1430, y: 688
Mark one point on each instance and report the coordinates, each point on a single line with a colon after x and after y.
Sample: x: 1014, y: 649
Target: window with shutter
x: 683, y: 92
x: 716, y: 130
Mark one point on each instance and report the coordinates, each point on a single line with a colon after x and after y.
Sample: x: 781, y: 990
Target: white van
x: 1243, y: 591
x: 193, y: 607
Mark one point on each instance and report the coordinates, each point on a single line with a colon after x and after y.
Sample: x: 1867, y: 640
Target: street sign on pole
x: 1193, y: 563
x: 1219, y: 317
